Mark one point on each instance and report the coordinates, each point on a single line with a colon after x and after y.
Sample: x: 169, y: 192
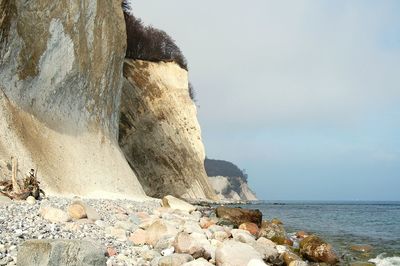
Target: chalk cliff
x: 228, y: 181
x: 159, y: 131
x: 60, y: 85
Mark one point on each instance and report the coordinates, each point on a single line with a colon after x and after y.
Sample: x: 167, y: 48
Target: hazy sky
x: 305, y: 95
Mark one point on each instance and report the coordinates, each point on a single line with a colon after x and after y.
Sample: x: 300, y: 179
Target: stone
x: 276, y: 221
x: 361, y: 248
x: 184, y: 243
x: 149, y: 255
x: 4, y: 199
x: 256, y: 262
x: 243, y: 236
x: 111, y: 251
x: 174, y: 260
x: 315, y: 249
x: 76, y: 211
x: 273, y: 231
x: 168, y: 251
x: 31, y: 200
x: 177, y: 204
x: 233, y: 253
x: 91, y: 213
x: 239, y: 216
x: 206, y: 222
x: 220, y: 236
x: 298, y: 263
x: 252, y: 228
x: 198, y: 262
x: 165, y: 242
x: 157, y: 230
x: 54, y: 215
x: 266, y: 242
x: 126, y: 225
x: 290, y: 256
x: 138, y: 237
x: 301, y: 234
x: 268, y: 253
x: 118, y: 233
x: 60, y: 252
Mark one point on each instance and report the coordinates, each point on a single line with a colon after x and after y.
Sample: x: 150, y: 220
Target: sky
x: 304, y: 95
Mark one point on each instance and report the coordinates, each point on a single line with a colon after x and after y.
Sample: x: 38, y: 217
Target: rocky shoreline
x: 167, y: 232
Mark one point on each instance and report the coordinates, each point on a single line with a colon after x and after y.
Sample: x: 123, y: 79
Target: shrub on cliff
x: 148, y: 43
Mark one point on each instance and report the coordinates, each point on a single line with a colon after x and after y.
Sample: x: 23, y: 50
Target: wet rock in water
x: 60, y: 252
x: 177, y: 204
x: 361, y: 248
x: 239, y: 216
x: 185, y: 243
x: 273, y: 231
x: 276, y: 221
x: 252, y: 228
x: 235, y: 253
x: 315, y: 249
x: 301, y: 234
x: 54, y: 215
x: 174, y: 260
x: 76, y: 211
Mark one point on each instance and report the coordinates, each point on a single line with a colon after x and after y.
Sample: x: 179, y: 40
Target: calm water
x: 343, y: 223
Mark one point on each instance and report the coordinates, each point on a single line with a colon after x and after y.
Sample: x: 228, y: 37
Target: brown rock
x: 315, y: 249
x: 361, y: 248
x: 206, y: 222
x: 157, y: 230
x: 273, y: 231
x: 239, y: 216
x: 288, y: 242
x: 76, y: 211
x: 289, y: 256
x: 138, y: 237
x: 111, y: 251
x: 252, y: 228
x: 301, y: 234
x: 276, y: 221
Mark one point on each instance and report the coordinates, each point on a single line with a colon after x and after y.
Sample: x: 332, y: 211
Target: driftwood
x: 21, y: 189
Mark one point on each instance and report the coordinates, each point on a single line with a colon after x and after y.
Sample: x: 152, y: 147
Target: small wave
x: 381, y: 260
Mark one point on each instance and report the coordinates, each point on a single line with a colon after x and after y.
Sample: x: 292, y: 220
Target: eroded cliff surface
x: 159, y: 131
x: 60, y: 85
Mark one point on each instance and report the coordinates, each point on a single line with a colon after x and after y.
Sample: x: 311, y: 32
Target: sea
x: 343, y: 224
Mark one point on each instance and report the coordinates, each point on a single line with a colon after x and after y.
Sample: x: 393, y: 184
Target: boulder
x: 290, y: 256
x: 185, y: 243
x: 233, y: 253
x: 177, y: 204
x: 76, y: 211
x: 256, y: 262
x: 239, y: 216
x: 252, y: 228
x: 198, y: 262
x: 159, y: 229
x: 174, y: 260
x: 54, y: 215
x: 273, y: 231
x: 60, y: 252
x: 266, y: 242
x: 138, y: 237
x: 243, y: 236
x: 315, y: 249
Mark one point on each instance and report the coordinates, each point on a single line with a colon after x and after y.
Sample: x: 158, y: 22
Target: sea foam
x: 381, y: 260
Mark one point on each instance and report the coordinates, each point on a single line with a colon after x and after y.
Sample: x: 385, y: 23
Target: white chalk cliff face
x: 60, y: 86
x: 225, y: 191
x: 159, y: 131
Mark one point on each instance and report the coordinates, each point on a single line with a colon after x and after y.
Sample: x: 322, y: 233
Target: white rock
x: 243, y: 236
x: 54, y: 215
x: 31, y: 200
x: 281, y: 249
x: 256, y: 262
x: 234, y: 253
x: 175, y: 203
x: 198, y: 262
x: 168, y: 251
